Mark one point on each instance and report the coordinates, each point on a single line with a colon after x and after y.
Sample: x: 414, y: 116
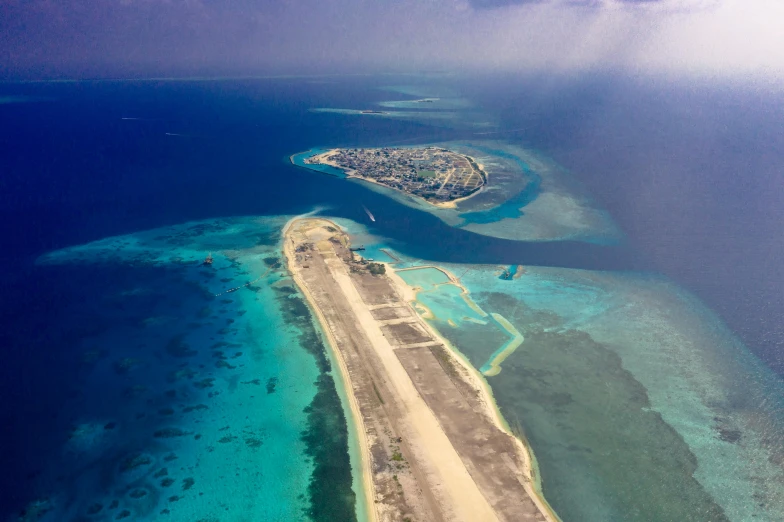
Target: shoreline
x: 322, y: 159
x: 366, y: 480
x: 533, y: 482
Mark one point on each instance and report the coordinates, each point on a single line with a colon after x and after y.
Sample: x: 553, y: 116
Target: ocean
x: 131, y: 389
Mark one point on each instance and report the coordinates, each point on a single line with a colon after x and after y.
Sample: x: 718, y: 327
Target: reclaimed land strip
x: 472, y: 378
x: 432, y: 449
x: 387, y: 469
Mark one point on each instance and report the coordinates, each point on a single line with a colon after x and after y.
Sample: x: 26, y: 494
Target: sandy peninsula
x: 433, y: 446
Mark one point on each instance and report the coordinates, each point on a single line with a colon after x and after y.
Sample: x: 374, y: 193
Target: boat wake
x: 369, y: 214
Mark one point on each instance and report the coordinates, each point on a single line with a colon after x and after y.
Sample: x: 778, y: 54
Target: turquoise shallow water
x: 439, y: 98
x: 234, y: 413
x: 426, y: 278
x: 628, y: 389
x: 638, y: 402
x: 299, y: 160
x: 641, y: 385
x: 432, y: 104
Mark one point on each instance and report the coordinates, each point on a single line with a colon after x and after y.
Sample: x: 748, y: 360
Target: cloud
x: 658, y: 5
x: 160, y: 37
x: 673, y: 6
x: 494, y: 4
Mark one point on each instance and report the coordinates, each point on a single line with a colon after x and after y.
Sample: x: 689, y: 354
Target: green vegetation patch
x: 427, y: 173
x: 377, y: 268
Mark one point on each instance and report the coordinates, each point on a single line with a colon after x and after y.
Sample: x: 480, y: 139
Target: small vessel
x: 208, y: 259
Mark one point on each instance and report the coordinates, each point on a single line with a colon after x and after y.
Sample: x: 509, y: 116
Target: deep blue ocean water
x: 690, y: 173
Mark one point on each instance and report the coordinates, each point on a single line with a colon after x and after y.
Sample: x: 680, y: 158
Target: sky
x: 84, y: 38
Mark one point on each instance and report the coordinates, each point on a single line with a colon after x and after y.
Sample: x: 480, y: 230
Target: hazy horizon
x: 706, y: 39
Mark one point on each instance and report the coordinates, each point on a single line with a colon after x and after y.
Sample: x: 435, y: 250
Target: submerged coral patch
x: 184, y: 353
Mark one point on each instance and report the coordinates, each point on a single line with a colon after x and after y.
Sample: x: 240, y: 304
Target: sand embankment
x: 530, y: 482
x: 325, y: 159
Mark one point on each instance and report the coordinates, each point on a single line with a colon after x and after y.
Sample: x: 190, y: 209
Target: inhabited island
x: 437, y: 175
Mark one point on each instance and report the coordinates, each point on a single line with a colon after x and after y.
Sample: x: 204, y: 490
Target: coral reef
x: 125, y: 365
x: 177, y: 347
x: 271, y: 383
x: 168, y: 433
x: 133, y: 461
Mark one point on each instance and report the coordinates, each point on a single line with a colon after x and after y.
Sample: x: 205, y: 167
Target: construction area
x: 432, y: 450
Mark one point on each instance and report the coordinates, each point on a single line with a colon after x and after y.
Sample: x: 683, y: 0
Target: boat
x: 208, y: 259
